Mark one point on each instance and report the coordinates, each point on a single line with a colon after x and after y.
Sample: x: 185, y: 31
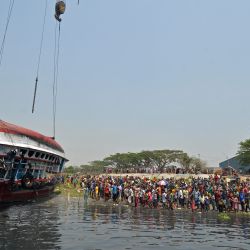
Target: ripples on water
x: 62, y: 223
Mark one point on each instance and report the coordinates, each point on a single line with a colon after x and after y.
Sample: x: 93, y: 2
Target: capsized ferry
x: 26, y: 158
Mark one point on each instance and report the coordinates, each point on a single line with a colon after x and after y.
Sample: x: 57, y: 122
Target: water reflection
x: 67, y: 223
x: 180, y: 229
x: 29, y: 226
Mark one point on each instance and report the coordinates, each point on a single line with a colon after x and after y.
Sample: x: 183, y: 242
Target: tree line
x: 162, y: 160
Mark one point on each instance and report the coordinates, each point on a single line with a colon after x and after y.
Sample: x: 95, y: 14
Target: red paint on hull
x: 22, y: 195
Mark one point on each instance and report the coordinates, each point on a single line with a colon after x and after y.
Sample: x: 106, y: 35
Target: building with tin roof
x: 235, y: 164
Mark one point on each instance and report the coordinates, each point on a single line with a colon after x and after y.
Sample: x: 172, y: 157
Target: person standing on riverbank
x: 106, y: 192
x: 114, y: 192
x: 97, y: 192
x: 136, y: 198
x: 242, y: 200
x: 164, y: 199
x: 247, y: 197
x: 170, y: 193
x: 235, y: 203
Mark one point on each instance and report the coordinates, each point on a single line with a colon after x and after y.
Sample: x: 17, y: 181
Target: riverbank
x: 159, y: 175
x: 175, y: 176
x: 170, y: 191
x: 77, y: 195
x: 68, y: 189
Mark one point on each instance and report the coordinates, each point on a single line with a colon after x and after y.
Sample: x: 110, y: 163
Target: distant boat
x: 26, y: 158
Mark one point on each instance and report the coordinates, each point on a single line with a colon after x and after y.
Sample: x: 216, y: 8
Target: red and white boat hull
x: 23, y: 153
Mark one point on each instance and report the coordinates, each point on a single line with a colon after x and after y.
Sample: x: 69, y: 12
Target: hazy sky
x: 134, y: 75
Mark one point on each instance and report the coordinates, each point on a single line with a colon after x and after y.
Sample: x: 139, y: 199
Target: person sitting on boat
x: 27, y: 179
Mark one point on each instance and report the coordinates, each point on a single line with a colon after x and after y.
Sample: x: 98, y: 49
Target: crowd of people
x: 202, y: 194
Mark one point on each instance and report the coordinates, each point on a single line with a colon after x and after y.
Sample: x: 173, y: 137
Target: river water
x: 69, y: 223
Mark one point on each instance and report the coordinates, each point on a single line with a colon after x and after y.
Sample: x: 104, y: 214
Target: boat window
x: 42, y: 155
x: 10, y: 173
x: 42, y: 174
x: 36, y: 173
x: 50, y: 157
x: 30, y: 154
x: 23, y: 151
x: 37, y: 154
x: 20, y: 173
x: 46, y: 157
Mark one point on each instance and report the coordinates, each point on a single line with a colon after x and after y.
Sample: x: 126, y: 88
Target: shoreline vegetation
x: 165, y: 160
x: 172, y: 161
x: 75, y: 190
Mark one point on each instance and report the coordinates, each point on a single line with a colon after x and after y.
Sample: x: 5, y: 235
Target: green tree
x: 243, y: 154
x: 125, y: 160
x: 197, y: 165
x: 185, y: 161
x: 133, y: 160
x: 163, y: 158
x: 85, y: 169
x: 95, y: 167
x: 69, y: 170
x: 146, y: 159
x: 119, y: 161
x: 99, y: 164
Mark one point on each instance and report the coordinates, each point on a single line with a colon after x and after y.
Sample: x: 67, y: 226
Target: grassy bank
x: 68, y: 188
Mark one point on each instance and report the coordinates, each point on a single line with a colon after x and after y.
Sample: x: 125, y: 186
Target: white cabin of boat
x: 31, y: 150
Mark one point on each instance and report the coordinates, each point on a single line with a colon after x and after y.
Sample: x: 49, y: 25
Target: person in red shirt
x: 106, y: 192
x: 216, y: 178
